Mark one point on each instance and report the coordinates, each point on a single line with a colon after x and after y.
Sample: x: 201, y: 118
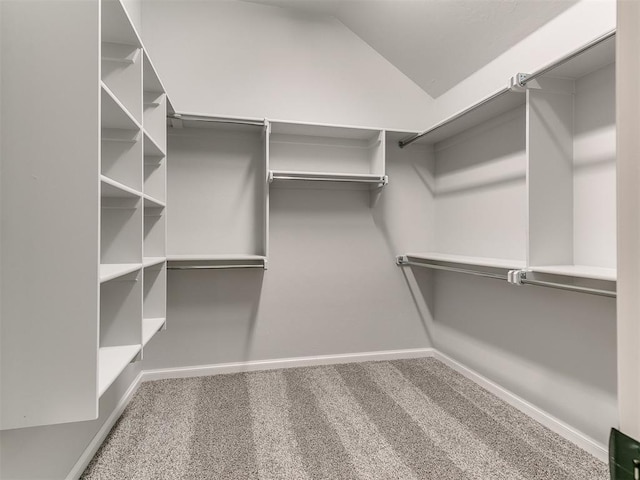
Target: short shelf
x: 112, y: 189
x: 114, y: 113
x: 151, y: 261
x: 111, y: 362
x: 150, y: 326
x: 109, y: 271
x: 151, y: 147
x: 150, y: 202
x: 579, y: 271
x: 327, y: 177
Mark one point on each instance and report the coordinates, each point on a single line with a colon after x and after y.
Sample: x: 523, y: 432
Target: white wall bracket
x: 517, y: 83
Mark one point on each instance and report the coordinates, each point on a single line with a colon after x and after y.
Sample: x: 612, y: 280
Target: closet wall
x: 331, y: 286
x: 553, y: 361
x: 555, y: 349
x: 243, y: 59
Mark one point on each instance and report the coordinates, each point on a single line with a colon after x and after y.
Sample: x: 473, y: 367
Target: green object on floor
x: 624, y: 456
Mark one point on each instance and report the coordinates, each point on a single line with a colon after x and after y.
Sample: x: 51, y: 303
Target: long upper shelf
x: 508, y: 264
x: 583, y: 279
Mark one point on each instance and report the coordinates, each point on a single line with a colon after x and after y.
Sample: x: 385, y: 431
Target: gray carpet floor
x: 405, y: 419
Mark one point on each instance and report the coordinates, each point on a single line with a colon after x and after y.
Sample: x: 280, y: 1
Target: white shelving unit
x: 102, y: 172
x: 478, y: 175
x: 518, y: 184
x: 217, y: 182
x: 307, y: 152
x: 572, y: 154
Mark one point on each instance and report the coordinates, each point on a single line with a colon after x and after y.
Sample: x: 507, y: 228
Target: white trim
x: 583, y: 441
x: 256, y: 365
x: 97, y: 440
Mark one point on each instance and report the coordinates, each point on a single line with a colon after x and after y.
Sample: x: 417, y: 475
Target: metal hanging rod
x: 523, y: 79
x: 205, y: 118
x: 213, y: 267
x: 573, y: 288
x: 433, y: 266
x: 514, y: 277
x: 409, y: 140
x: 382, y: 179
x: 527, y: 78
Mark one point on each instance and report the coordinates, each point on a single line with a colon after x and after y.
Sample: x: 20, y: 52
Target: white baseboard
x: 583, y: 441
x: 97, y: 440
x: 256, y: 365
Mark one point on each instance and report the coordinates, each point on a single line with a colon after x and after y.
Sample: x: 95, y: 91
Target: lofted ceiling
x: 436, y: 43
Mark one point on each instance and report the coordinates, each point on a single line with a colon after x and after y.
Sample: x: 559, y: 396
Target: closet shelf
x: 152, y: 261
x: 507, y: 264
x: 515, y: 272
x: 109, y: 271
x: 213, y: 262
x: 496, y: 104
x: 328, y: 177
x: 151, y: 326
x: 578, y: 271
x: 114, y: 114
x: 120, y: 135
x: 120, y: 53
x: 151, y: 80
x: 152, y: 99
x: 150, y: 202
x: 111, y: 362
x: 109, y: 188
x: 151, y: 148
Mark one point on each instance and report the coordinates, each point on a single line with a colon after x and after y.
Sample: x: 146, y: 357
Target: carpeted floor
x: 405, y: 419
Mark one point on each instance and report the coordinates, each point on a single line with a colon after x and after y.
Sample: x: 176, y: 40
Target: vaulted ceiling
x: 436, y: 43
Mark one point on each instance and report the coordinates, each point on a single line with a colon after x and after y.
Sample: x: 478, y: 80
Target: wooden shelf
x: 114, y: 113
x: 466, y: 260
x: 117, y: 26
x: 150, y: 202
x: 465, y: 120
x: 109, y: 271
x: 150, y: 326
x: 579, y: 271
x: 111, y: 362
x: 120, y: 135
x: 109, y: 188
x: 151, y: 80
x: 151, y: 261
x: 327, y: 176
x: 151, y: 148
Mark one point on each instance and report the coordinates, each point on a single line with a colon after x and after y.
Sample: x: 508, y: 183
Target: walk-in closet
x: 319, y: 239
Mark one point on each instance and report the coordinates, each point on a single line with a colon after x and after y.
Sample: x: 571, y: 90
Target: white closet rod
x: 211, y: 119
x: 435, y: 266
x: 526, y: 78
x: 523, y: 80
x: 327, y: 178
x: 572, y: 288
x: 522, y: 278
x: 212, y: 267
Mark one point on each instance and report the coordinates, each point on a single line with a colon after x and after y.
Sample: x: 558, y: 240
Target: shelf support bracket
x: 518, y: 83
